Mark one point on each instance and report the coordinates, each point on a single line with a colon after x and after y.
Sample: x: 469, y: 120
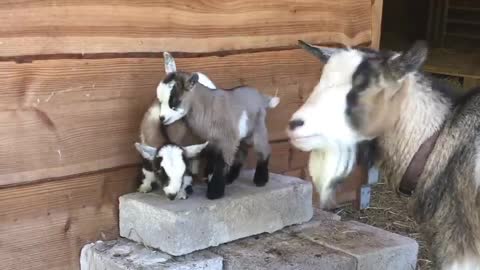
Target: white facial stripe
x: 164, y: 90
x: 324, y: 112
x: 174, y: 166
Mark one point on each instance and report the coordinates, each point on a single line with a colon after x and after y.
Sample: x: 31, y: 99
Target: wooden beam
x: 278, y: 160
x: 88, y: 26
x: 44, y: 226
x: 454, y: 63
x: 64, y: 117
x: 377, y: 11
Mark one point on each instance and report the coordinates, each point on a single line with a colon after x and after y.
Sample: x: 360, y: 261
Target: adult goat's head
x: 358, y: 97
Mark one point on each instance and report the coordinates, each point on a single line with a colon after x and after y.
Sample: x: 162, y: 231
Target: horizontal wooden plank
x: 44, y: 225
x: 64, y: 117
x: 298, y: 159
x: 87, y: 26
x: 278, y: 159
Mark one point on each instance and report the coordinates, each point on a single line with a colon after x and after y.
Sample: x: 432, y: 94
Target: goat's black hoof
x: 261, y: 178
x: 233, y: 173
x: 189, y: 190
x: 215, y: 191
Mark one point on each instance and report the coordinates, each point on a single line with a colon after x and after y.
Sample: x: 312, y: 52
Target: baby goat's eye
x: 173, y: 101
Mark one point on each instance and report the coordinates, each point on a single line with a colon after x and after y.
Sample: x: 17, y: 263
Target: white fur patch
x: 328, y: 164
x: 477, y: 164
x: 274, y: 102
x: 182, y: 194
x: 174, y: 166
x: 243, y: 125
x: 323, y: 114
x: 195, y: 166
x: 154, y: 113
x: 468, y: 263
x: 146, y: 185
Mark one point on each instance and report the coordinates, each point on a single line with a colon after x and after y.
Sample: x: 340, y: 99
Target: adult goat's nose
x: 293, y: 124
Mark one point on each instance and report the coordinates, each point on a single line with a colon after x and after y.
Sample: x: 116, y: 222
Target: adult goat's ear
x: 192, y: 81
x: 409, y: 61
x: 322, y: 53
x: 169, y: 62
x: 146, y: 151
x: 192, y: 151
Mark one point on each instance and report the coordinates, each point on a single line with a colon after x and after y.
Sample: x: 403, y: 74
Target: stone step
x: 183, y: 226
x: 372, y: 248
x: 123, y: 254
x: 323, y: 243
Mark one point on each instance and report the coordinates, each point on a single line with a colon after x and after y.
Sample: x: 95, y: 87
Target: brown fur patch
x: 378, y: 110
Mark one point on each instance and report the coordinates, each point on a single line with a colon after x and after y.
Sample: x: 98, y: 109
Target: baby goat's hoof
x: 261, y: 178
x: 189, y: 190
x: 233, y: 173
x: 145, y: 188
x: 215, y: 191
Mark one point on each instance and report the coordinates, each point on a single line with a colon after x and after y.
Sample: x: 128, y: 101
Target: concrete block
x: 123, y: 254
x: 373, y: 248
x: 281, y: 251
x: 183, y: 226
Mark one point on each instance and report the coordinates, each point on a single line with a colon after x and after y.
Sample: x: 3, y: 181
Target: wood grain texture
x: 86, y: 26
x: 298, y: 159
x: 64, y: 117
x: 377, y: 11
x: 278, y: 160
x: 44, y: 226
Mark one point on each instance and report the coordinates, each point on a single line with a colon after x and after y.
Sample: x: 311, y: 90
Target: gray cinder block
x: 123, y: 254
x: 183, y: 226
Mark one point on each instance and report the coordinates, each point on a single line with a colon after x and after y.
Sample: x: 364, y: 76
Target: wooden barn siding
x: 63, y: 117
x: 117, y: 26
x: 69, y: 118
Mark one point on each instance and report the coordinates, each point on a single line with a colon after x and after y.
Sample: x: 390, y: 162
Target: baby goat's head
x: 171, y: 92
x: 358, y: 97
x: 171, y: 164
x: 174, y: 86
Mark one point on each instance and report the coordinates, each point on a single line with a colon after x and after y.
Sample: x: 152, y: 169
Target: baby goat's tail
x: 272, y: 102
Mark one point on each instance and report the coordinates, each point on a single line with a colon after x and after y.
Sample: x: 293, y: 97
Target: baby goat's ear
x: 169, y: 63
x: 192, y: 151
x: 146, y: 151
x: 192, y: 81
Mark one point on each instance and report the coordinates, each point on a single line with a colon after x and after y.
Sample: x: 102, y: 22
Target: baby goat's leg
x: 240, y: 157
x: 263, y: 151
x: 186, y: 189
x: 216, y: 186
x: 148, y: 179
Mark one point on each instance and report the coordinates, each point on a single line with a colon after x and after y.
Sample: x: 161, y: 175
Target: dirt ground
x: 388, y: 211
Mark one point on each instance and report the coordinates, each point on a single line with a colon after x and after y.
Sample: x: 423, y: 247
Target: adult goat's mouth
x: 302, y: 138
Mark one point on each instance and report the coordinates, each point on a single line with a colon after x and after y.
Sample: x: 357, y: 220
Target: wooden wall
x: 77, y: 76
